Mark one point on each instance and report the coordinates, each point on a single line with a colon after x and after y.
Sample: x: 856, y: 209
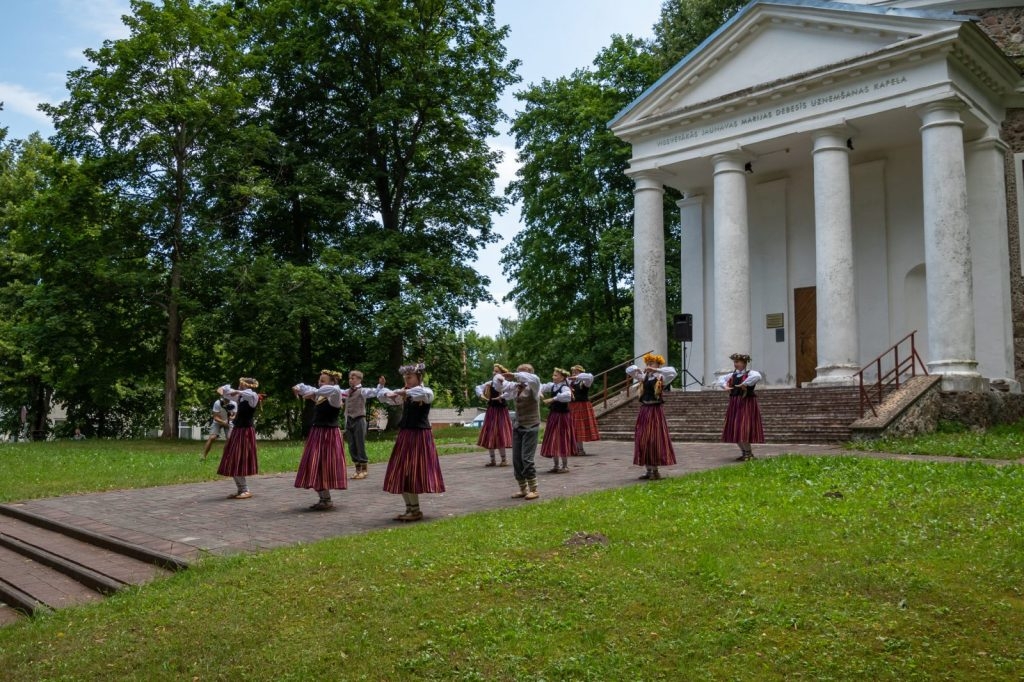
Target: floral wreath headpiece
x: 333, y: 373
x: 414, y: 368
x: 579, y: 367
x: 653, y: 358
x: 740, y: 357
x: 248, y: 382
x: 561, y: 371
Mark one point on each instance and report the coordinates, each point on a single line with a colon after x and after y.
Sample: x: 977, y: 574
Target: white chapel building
x: 850, y: 173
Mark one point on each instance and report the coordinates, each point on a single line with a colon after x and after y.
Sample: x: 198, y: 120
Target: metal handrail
x: 609, y: 391
x: 882, y: 381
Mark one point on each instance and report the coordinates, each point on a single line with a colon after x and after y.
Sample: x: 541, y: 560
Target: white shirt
x: 753, y: 376
x: 418, y: 394
x: 332, y: 392
x: 667, y: 373
x: 497, y: 384
x: 530, y: 381
x: 560, y: 392
x: 247, y: 394
x: 583, y: 379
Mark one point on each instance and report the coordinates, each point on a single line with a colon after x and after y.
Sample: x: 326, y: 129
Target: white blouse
x: 332, y: 392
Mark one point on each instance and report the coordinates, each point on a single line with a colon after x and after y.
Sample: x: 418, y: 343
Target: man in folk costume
x: 322, y: 466
x: 414, y: 467
x: 652, y: 444
x: 584, y: 423
x: 496, y: 433
x: 223, y: 411
x: 523, y: 386
x: 240, y: 458
x: 559, y: 439
x: 355, y: 421
x: 743, y: 424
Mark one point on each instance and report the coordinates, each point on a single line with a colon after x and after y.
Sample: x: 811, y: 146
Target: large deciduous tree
x: 572, y: 263
x: 155, y: 118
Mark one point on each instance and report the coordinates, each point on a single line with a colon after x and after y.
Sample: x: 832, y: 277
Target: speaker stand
x: 686, y: 372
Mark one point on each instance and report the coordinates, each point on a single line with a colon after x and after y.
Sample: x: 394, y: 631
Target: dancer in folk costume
x: 523, y: 387
x: 743, y: 418
x: 652, y: 445
x: 322, y: 466
x: 584, y: 423
x: 559, y: 438
x: 413, y: 468
x: 355, y: 421
x: 496, y: 433
x: 239, y: 459
x: 223, y: 413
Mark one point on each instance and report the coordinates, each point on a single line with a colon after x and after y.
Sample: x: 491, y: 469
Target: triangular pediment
x: 771, y: 41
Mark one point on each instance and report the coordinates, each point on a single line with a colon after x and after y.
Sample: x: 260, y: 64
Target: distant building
x: 851, y: 172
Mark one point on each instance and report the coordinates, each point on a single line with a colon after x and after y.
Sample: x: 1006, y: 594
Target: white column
x: 838, y: 356
x: 732, y: 260
x: 947, y: 248
x: 650, y: 330
x: 691, y: 235
x: 993, y: 311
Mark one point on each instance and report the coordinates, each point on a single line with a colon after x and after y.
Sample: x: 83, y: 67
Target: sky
x: 42, y: 40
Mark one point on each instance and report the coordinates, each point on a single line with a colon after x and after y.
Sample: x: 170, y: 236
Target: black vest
x: 415, y: 415
x: 244, y: 415
x: 737, y: 379
x: 580, y: 393
x: 493, y: 396
x: 325, y: 414
x: 649, y: 394
x: 555, y: 405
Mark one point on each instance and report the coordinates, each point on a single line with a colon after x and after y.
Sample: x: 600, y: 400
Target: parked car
x: 478, y: 421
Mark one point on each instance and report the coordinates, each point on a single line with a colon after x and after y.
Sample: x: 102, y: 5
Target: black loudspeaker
x: 682, y: 327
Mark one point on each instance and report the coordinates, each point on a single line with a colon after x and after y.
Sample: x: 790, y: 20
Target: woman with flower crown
x: 584, y: 422
x: 413, y: 468
x: 496, y: 433
x: 559, y: 437
x: 322, y: 466
x: 652, y: 445
x: 239, y: 459
x: 743, y: 424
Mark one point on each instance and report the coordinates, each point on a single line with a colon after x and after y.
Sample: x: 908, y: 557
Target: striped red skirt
x: 414, y: 466
x: 497, y: 429
x: 743, y: 421
x: 652, y: 445
x: 584, y: 423
x: 239, y: 458
x: 322, y: 466
x: 559, y: 438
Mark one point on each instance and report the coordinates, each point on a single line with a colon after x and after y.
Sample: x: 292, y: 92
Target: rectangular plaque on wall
x: 775, y: 320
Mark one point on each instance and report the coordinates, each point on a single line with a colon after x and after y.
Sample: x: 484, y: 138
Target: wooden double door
x: 805, y: 323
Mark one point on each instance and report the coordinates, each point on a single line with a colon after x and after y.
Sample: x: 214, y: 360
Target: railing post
x: 896, y: 355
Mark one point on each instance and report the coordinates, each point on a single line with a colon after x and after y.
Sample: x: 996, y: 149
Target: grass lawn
x: 49, y: 469
x: 782, y: 569
x: 956, y: 440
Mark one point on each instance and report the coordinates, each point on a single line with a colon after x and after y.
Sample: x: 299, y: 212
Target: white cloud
x: 100, y: 17
x: 20, y: 100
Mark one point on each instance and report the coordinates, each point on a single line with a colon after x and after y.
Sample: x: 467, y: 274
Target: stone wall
x: 982, y: 410
x: 1013, y: 135
x: 1005, y: 26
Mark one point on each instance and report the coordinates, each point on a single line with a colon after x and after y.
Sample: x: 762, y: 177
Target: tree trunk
x: 172, y: 356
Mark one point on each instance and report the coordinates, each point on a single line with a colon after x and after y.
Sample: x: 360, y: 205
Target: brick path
x: 191, y: 520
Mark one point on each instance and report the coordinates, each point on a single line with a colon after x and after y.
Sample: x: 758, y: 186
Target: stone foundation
x: 982, y: 410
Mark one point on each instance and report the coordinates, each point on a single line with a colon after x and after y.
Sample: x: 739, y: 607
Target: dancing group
x: 414, y: 469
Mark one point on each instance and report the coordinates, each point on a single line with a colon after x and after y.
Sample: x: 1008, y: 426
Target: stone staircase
x: 46, y: 565
x: 790, y: 415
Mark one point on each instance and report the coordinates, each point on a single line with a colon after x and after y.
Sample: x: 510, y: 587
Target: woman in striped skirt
x: 496, y: 433
x: 584, y: 423
x: 652, y: 446
x: 559, y: 438
x: 322, y: 466
x: 413, y: 468
x: 239, y: 459
x: 743, y: 418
